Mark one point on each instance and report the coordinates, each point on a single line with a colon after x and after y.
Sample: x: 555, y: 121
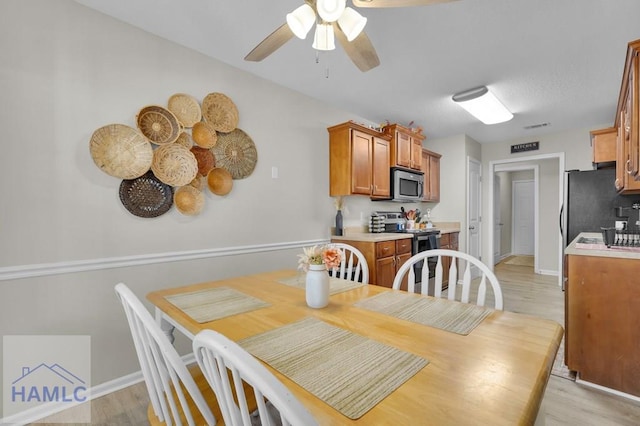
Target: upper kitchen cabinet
x: 359, y: 161
x: 431, y: 170
x: 603, y: 142
x: 406, y: 147
x: 627, y: 125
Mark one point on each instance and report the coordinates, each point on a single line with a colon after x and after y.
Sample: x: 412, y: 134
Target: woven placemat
x: 448, y: 315
x: 215, y: 303
x: 349, y: 372
x: 336, y: 285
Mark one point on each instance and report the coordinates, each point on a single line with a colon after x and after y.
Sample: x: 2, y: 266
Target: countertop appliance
x: 406, y: 185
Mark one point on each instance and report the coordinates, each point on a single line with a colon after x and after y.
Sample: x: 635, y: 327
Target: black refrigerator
x: 590, y: 201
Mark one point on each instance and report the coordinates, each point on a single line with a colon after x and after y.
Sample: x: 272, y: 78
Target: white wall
x: 67, y: 70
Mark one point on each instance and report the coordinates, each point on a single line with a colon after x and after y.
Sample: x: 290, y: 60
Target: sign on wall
x: 522, y: 147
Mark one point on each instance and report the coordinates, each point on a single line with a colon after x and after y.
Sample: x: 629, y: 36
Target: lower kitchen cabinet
x: 384, y: 258
x: 448, y: 241
x: 602, y: 313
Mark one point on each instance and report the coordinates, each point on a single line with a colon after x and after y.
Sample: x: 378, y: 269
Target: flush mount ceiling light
x: 483, y: 105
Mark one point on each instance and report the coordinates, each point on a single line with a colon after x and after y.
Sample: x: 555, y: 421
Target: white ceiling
x: 555, y: 61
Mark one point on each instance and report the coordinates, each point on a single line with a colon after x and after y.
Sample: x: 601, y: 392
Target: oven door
x: 423, y: 243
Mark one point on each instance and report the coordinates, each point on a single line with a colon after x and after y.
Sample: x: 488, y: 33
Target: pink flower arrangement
x: 317, y: 255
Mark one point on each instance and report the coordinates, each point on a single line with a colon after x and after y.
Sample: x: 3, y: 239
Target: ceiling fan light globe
x: 324, y: 38
x: 301, y: 20
x: 330, y: 10
x: 351, y: 23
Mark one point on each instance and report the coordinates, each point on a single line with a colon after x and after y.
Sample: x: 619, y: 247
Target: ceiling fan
x: 333, y: 19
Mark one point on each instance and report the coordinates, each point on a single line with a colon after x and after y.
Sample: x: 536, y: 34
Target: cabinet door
x: 381, y: 173
x: 361, y: 160
x: 385, y: 271
x: 424, y: 168
x: 634, y: 142
x: 403, y: 149
x: 416, y: 153
x: 434, y: 178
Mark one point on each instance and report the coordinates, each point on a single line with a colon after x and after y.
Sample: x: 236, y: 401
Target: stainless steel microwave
x: 406, y: 185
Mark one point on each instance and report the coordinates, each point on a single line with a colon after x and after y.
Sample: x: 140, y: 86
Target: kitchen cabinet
x: 448, y: 241
x: 431, y: 170
x: 406, y: 147
x: 384, y: 258
x: 359, y: 161
x: 602, y: 313
x: 628, y: 125
x: 603, y: 144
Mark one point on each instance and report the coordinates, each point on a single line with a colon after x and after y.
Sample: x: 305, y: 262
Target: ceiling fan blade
x: 396, y: 3
x: 360, y: 50
x: 273, y: 42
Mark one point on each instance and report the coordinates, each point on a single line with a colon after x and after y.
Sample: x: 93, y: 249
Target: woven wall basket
x: 146, y: 196
x: 220, y: 111
x: 204, y: 135
x: 188, y: 200
x: 121, y: 151
x: 236, y: 152
x: 185, y: 140
x: 186, y: 108
x: 158, y: 124
x: 205, y: 158
x: 219, y: 181
x: 174, y: 165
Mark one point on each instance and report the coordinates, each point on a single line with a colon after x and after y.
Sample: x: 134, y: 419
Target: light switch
x: 274, y: 172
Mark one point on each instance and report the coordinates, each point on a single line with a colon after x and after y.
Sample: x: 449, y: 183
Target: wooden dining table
x: 494, y: 375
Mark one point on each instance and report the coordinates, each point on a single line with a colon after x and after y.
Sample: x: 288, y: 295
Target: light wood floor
x: 566, y: 403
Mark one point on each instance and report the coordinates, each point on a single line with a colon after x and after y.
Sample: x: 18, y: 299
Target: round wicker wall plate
x: 185, y: 140
x: 186, y: 108
x: 236, y: 152
x: 219, y: 181
x: 121, y: 151
x: 204, y: 135
x: 174, y: 165
x: 158, y: 124
x: 188, y: 200
x: 146, y: 196
x: 220, y: 111
x: 205, y: 158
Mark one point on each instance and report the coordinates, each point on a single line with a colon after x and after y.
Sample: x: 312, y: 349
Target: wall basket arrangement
x: 175, y: 153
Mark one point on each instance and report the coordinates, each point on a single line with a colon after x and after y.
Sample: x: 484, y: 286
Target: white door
x: 474, y: 208
x: 523, y: 217
x: 497, y: 225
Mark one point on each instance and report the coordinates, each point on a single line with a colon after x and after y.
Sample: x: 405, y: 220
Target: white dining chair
x: 165, y: 374
x: 428, y: 268
x: 225, y: 364
x: 354, y: 265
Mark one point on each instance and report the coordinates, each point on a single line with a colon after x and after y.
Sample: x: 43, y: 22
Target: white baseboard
x: 606, y: 389
x: 547, y: 272
x: 45, y: 410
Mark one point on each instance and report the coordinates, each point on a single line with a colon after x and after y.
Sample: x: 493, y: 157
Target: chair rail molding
x: 58, y: 268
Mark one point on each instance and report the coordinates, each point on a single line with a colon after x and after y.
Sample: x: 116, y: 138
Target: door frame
x: 467, y: 233
x: 497, y: 226
x: 535, y: 218
x: 522, y: 160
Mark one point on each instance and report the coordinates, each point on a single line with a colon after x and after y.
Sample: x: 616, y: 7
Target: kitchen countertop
x: 598, y: 249
x: 371, y: 237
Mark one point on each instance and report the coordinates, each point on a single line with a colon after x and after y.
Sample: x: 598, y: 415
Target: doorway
x: 523, y: 223
x: 552, y: 241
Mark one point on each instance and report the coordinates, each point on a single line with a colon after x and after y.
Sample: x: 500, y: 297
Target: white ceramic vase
x: 317, y: 286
